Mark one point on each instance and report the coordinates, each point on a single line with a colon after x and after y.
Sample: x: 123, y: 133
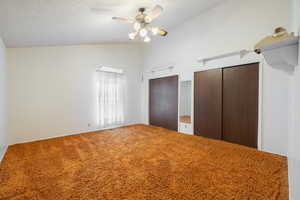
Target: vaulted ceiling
x: 65, y: 22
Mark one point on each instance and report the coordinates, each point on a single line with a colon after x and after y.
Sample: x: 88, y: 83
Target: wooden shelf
x: 281, y: 44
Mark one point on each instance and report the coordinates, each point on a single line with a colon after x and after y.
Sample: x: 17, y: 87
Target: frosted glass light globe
x: 143, y: 32
x: 147, y: 39
x: 148, y: 19
x: 136, y: 26
x: 155, y: 31
x: 132, y: 36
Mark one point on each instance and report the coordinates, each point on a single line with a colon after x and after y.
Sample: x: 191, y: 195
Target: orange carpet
x: 140, y: 163
x: 185, y: 119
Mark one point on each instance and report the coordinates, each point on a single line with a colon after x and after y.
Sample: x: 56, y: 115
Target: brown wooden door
x: 240, y: 104
x: 208, y: 103
x: 163, y: 102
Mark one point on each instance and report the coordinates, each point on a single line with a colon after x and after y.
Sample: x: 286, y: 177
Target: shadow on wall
x: 289, y: 70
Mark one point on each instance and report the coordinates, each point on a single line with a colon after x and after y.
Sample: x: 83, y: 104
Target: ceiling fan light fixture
x: 148, y: 19
x: 132, y: 36
x: 155, y: 31
x: 136, y: 26
x: 143, y: 32
x: 142, y: 26
x: 147, y: 39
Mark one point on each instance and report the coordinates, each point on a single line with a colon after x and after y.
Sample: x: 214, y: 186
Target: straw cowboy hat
x: 279, y: 34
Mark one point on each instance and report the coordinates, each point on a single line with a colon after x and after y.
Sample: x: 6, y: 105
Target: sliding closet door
x: 163, y: 102
x: 240, y: 104
x: 208, y: 103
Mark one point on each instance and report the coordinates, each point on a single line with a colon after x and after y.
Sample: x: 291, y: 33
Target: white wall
x: 294, y: 137
x: 3, y: 100
x: 53, y: 90
x: 230, y: 26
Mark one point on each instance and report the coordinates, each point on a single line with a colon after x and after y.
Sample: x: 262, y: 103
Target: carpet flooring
x: 140, y: 162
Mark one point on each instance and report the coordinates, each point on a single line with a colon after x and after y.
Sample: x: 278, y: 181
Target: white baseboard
x: 67, y: 133
x: 2, y: 152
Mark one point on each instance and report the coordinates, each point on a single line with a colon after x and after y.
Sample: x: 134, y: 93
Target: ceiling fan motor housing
x: 141, y: 16
x: 141, y: 10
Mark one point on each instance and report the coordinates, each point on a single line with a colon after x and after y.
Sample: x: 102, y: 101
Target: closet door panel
x: 163, y: 102
x: 208, y: 103
x: 240, y: 104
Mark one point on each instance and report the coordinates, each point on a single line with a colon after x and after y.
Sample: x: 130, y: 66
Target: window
x: 111, y: 98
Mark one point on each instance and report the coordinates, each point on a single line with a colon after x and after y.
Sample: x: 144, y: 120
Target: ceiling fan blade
x: 156, y: 11
x: 133, y: 35
x: 162, y: 32
x: 130, y: 21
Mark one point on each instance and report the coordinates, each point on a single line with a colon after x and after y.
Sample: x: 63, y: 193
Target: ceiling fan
x: 142, y: 24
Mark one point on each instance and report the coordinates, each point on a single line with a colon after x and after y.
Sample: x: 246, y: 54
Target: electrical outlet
x: 89, y: 125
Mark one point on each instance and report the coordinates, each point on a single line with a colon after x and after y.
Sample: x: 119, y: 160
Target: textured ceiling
x: 66, y: 22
